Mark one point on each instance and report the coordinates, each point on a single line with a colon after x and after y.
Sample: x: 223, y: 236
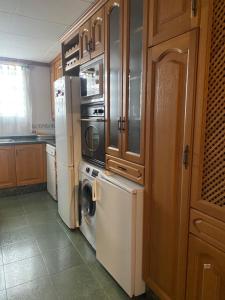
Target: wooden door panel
x: 208, y: 181
x: 170, y: 105
x: 206, y: 271
x: 30, y: 164
x: 85, y: 37
x: 170, y: 18
x: 97, y: 33
x: 7, y: 167
x: 113, y: 75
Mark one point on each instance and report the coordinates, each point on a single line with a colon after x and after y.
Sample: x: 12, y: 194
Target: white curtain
x: 15, y: 100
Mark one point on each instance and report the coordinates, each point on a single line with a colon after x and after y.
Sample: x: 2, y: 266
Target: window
x: 15, y: 109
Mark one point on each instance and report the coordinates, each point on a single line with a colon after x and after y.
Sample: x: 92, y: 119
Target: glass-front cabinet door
x: 113, y: 78
x: 134, y: 64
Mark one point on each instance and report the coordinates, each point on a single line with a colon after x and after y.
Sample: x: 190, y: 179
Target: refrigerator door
x: 115, y: 232
x: 63, y: 121
x: 67, y: 195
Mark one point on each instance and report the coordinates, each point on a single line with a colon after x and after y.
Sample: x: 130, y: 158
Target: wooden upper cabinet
x: 85, y: 38
x: 7, y: 169
x: 113, y: 75
x: 97, y: 33
x: 170, y: 18
x: 125, y: 85
x: 56, y: 71
x: 206, y: 271
x: 171, y: 91
x: 30, y: 164
x: 134, y: 79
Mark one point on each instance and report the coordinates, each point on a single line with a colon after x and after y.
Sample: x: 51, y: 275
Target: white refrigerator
x: 68, y: 147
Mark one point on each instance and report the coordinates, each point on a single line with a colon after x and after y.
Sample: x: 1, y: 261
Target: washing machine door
x: 88, y: 206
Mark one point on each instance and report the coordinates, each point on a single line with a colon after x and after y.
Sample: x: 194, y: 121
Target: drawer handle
x: 122, y: 168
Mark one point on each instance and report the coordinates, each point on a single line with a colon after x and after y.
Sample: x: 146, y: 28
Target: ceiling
x: 30, y: 29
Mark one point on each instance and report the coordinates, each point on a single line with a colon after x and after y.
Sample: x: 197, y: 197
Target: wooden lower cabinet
x: 206, y: 271
x: 171, y: 80
x: 126, y: 169
x: 7, y: 167
x: 30, y: 164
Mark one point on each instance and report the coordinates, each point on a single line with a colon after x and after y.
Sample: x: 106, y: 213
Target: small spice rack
x: 71, y: 55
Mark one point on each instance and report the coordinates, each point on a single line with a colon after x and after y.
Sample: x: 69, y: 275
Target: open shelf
x: 72, y: 51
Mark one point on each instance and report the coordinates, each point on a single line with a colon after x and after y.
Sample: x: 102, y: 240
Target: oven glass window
x: 92, y: 138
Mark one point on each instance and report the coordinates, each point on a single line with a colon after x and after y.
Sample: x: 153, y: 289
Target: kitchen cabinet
x: 113, y: 75
x: 171, y: 18
x: 171, y: 98
x: 56, y: 72
x: 92, y: 37
x: 85, y: 37
x: 208, y: 182
x: 97, y: 33
x: 206, y: 271
x: 125, y: 70
x: 30, y: 164
x: 7, y: 169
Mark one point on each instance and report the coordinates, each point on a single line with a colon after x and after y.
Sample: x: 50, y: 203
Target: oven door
x: 93, y: 140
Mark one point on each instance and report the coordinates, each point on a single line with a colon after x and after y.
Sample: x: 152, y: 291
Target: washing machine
x: 87, y: 203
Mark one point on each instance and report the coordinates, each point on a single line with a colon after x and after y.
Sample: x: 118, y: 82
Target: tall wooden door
x: 97, y: 33
x: 206, y: 271
x: 171, y: 80
x: 113, y: 75
x: 30, y: 164
x: 208, y: 180
x: 134, y: 79
x: 7, y: 167
x: 170, y: 18
x: 85, y: 38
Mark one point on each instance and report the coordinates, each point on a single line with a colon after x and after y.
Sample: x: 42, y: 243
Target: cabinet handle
x: 123, y: 124
x: 186, y: 156
x: 122, y: 168
x: 194, y: 8
x: 119, y: 123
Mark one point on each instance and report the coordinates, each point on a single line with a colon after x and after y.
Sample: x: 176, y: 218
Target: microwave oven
x: 91, y: 77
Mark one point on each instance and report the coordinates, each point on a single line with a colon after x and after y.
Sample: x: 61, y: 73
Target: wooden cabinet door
x: 56, y: 72
x: 171, y: 78
x: 85, y: 38
x: 7, y: 167
x: 113, y: 75
x: 170, y: 18
x: 208, y: 180
x: 58, y: 67
x: 30, y: 164
x: 206, y: 271
x: 97, y: 33
x: 134, y: 79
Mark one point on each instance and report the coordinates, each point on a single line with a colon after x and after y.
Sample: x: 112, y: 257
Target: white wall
x: 41, y: 100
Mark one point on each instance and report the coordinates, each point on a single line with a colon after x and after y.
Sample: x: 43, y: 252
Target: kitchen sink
x: 5, y: 141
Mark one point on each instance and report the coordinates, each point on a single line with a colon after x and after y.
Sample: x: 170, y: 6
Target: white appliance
x: 87, y: 203
x: 119, y: 230
x: 51, y: 170
x: 68, y: 147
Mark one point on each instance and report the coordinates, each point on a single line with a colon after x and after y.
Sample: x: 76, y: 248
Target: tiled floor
x: 41, y: 259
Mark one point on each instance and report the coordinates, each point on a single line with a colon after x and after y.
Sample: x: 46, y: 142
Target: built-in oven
x: 93, y: 133
x: 91, y: 77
